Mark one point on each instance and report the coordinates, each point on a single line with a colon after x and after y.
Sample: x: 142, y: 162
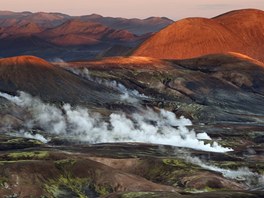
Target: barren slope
x: 76, y: 32
x: 38, y: 77
x: 239, y: 31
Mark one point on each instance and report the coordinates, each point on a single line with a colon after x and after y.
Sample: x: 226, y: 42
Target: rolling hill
x: 51, y: 20
x: 40, y: 78
x: 136, y: 26
x: 75, y: 32
x: 239, y: 31
x: 52, y: 35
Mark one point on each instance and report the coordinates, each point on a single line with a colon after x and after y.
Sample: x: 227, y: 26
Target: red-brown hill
x: 25, y: 29
x: 38, y: 77
x: 75, y: 32
x: 238, y: 31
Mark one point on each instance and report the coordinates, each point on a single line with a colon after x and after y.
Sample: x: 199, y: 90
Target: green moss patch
x: 75, y: 185
x: 137, y: 194
x: 167, y: 171
x: 36, y: 155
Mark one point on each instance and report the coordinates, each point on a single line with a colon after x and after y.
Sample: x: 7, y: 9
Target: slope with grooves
x: 189, y: 38
x: 40, y: 78
x: 210, y: 83
x: 23, y: 29
x: 136, y: 26
x: 240, y: 70
x: 249, y: 24
x: 84, y: 33
x: 239, y: 31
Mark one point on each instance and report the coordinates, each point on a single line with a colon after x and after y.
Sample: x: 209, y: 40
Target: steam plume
x: 79, y: 123
x: 242, y: 174
x: 127, y: 95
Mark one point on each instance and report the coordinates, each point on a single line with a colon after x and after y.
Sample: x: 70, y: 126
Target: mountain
x: 27, y: 44
x: 40, y: 78
x: 49, y: 20
x: 43, y: 19
x: 52, y: 35
x: 75, y: 32
x: 249, y: 25
x: 136, y: 26
x: 22, y: 29
x: 239, y: 31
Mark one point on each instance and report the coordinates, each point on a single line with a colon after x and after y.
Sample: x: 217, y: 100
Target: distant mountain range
x: 51, y: 35
x: 50, y: 20
x: 56, y: 35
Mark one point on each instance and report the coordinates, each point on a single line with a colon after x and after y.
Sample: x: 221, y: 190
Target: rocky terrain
x: 73, y: 135
x: 183, y: 117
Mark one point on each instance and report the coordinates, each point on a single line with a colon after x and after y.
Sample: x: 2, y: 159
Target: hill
x: 51, y: 20
x: 238, y: 31
x: 75, y: 32
x: 52, y: 35
x: 38, y: 77
x: 24, y: 29
x: 136, y: 26
x: 209, y: 83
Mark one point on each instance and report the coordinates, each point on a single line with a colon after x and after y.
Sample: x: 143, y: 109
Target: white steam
x: 147, y: 126
x: 57, y: 60
x: 242, y: 174
x: 127, y: 95
x: 203, y: 136
x: 38, y: 137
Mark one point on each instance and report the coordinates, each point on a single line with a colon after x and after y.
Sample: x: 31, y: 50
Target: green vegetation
x: 168, y: 171
x: 37, y: 155
x: 206, y: 189
x: 176, y: 163
x: 75, y: 185
x: 230, y: 165
x: 23, y: 140
x: 137, y: 194
x: 65, y: 163
x: 66, y: 180
x: 102, y: 190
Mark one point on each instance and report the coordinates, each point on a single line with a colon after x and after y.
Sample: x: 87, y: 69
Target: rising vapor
x: 79, y: 123
x: 242, y: 174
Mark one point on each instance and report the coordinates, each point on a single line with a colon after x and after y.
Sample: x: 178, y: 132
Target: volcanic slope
x: 249, y: 25
x: 38, y: 77
x: 238, y: 31
x: 210, y: 82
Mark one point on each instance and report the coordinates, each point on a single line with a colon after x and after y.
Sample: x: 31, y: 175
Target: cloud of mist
x: 28, y: 135
x: 126, y: 95
x: 78, y: 123
x: 242, y: 174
